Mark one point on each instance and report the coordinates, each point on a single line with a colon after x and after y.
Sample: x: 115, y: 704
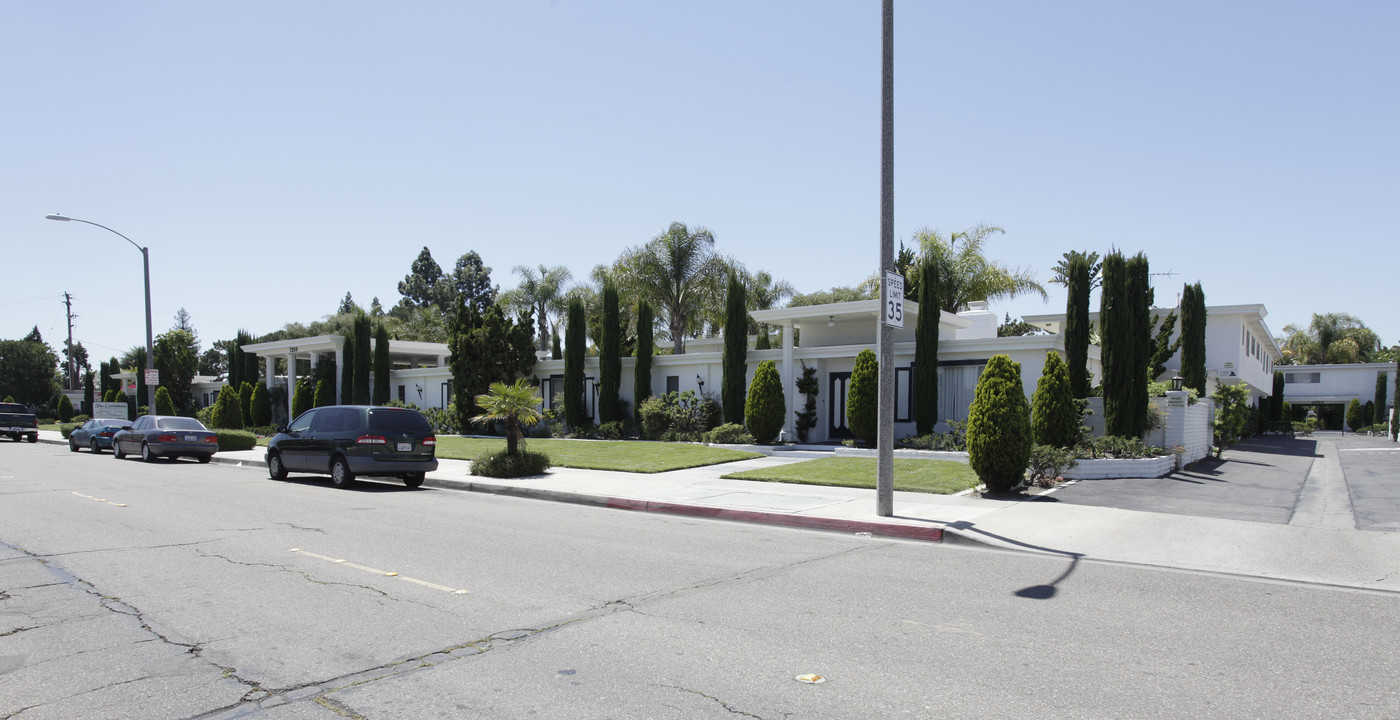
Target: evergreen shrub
x: 1056, y: 417
x: 729, y: 434
x: 227, y: 414
x: 325, y: 394
x: 863, y: 397
x: 261, y: 406
x: 999, y: 426
x: 764, y: 407
x: 65, y: 408
x: 163, y: 404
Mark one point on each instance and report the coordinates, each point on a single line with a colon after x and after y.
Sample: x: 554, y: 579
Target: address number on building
x: 894, y: 300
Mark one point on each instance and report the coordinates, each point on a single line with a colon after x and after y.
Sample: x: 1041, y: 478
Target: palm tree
x: 1329, y: 339
x: 765, y: 294
x: 542, y: 292
x: 966, y: 275
x: 515, y: 404
x: 1059, y: 274
x: 678, y: 273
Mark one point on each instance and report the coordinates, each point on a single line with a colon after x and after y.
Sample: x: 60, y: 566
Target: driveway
x: 1262, y: 480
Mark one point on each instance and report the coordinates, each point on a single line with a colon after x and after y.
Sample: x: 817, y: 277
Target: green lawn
x: 942, y: 477
x: 624, y: 456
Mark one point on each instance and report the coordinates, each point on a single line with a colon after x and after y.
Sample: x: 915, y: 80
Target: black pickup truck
x: 17, y: 422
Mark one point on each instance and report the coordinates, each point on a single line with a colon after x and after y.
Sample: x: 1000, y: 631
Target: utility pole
x: 884, y: 446
x: 72, y: 362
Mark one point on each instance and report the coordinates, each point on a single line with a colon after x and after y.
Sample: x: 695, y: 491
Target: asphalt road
x: 1262, y: 480
x: 178, y: 590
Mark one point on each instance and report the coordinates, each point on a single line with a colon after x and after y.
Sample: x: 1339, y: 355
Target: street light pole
x: 146, y: 268
x: 884, y: 444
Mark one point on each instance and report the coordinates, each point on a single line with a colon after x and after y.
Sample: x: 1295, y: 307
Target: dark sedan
x: 95, y: 434
x: 167, y: 436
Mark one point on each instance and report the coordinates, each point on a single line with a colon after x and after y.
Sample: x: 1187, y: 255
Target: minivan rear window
x: 390, y: 419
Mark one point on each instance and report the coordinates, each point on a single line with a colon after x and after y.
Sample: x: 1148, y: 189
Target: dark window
x: 303, y: 422
x: 903, y: 394
x: 401, y: 393
x: 394, y: 419
x: 336, y: 419
x: 673, y: 383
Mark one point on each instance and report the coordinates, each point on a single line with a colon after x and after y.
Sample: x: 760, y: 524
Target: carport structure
x: 402, y: 353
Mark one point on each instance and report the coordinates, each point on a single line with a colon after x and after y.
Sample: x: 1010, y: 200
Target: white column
x: 270, y: 364
x: 1174, y: 429
x: 339, y: 368
x: 291, y: 383
x: 789, y: 381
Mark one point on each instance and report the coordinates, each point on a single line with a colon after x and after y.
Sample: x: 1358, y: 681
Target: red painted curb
x: 906, y: 532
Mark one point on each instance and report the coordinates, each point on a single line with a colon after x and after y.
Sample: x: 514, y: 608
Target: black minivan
x: 345, y: 441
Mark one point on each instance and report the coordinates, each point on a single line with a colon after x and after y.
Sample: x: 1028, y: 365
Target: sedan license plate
x: 191, y: 438
x: 405, y: 447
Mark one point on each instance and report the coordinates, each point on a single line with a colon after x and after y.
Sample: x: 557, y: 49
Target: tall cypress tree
x: 641, y: 376
x: 1380, y: 414
x: 574, y: 339
x: 1078, y: 283
x: 610, y: 360
x: 736, y: 352
x: 926, y: 350
x: 1193, y: 338
x: 1125, y: 318
x: 381, y: 365
x: 362, y: 358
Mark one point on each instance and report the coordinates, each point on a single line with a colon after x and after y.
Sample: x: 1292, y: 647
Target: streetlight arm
x: 65, y: 218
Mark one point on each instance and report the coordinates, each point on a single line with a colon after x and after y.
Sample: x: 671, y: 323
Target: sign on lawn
x: 894, y: 299
x: 110, y: 410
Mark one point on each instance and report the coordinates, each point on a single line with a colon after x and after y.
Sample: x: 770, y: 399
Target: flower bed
x: 1121, y: 468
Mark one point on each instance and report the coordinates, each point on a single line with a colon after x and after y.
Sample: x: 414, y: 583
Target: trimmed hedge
x: 236, y: 439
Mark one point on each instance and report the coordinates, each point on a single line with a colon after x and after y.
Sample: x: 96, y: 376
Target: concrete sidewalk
x: 1341, y: 557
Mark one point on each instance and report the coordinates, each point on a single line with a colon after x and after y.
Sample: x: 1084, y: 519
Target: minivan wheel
x: 275, y: 469
x: 413, y: 480
x: 340, y: 473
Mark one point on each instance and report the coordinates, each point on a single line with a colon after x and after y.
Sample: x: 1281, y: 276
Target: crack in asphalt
x: 257, y: 696
x: 122, y: 549
x: 721, y: 703
x: 307, y: 576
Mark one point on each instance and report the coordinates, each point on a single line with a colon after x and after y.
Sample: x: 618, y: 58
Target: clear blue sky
x: 275, y: 155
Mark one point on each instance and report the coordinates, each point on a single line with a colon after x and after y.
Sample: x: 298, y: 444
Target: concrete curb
x: 758, y: 517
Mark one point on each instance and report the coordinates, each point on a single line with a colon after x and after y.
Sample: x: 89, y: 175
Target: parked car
x: 168, y: 436
x: 346, y: 441
x: 18, y: 423
x: 96, y: 434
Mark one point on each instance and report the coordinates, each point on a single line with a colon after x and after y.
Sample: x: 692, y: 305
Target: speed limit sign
x: 894, y: 300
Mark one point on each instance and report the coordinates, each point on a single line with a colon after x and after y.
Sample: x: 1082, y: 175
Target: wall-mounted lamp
x: 831, y: 321
x: 701, y: 381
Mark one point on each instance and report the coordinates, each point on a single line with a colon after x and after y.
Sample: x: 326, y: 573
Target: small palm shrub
x: 504, y: 464
x: 764, y: 406
x: 999, y: 426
